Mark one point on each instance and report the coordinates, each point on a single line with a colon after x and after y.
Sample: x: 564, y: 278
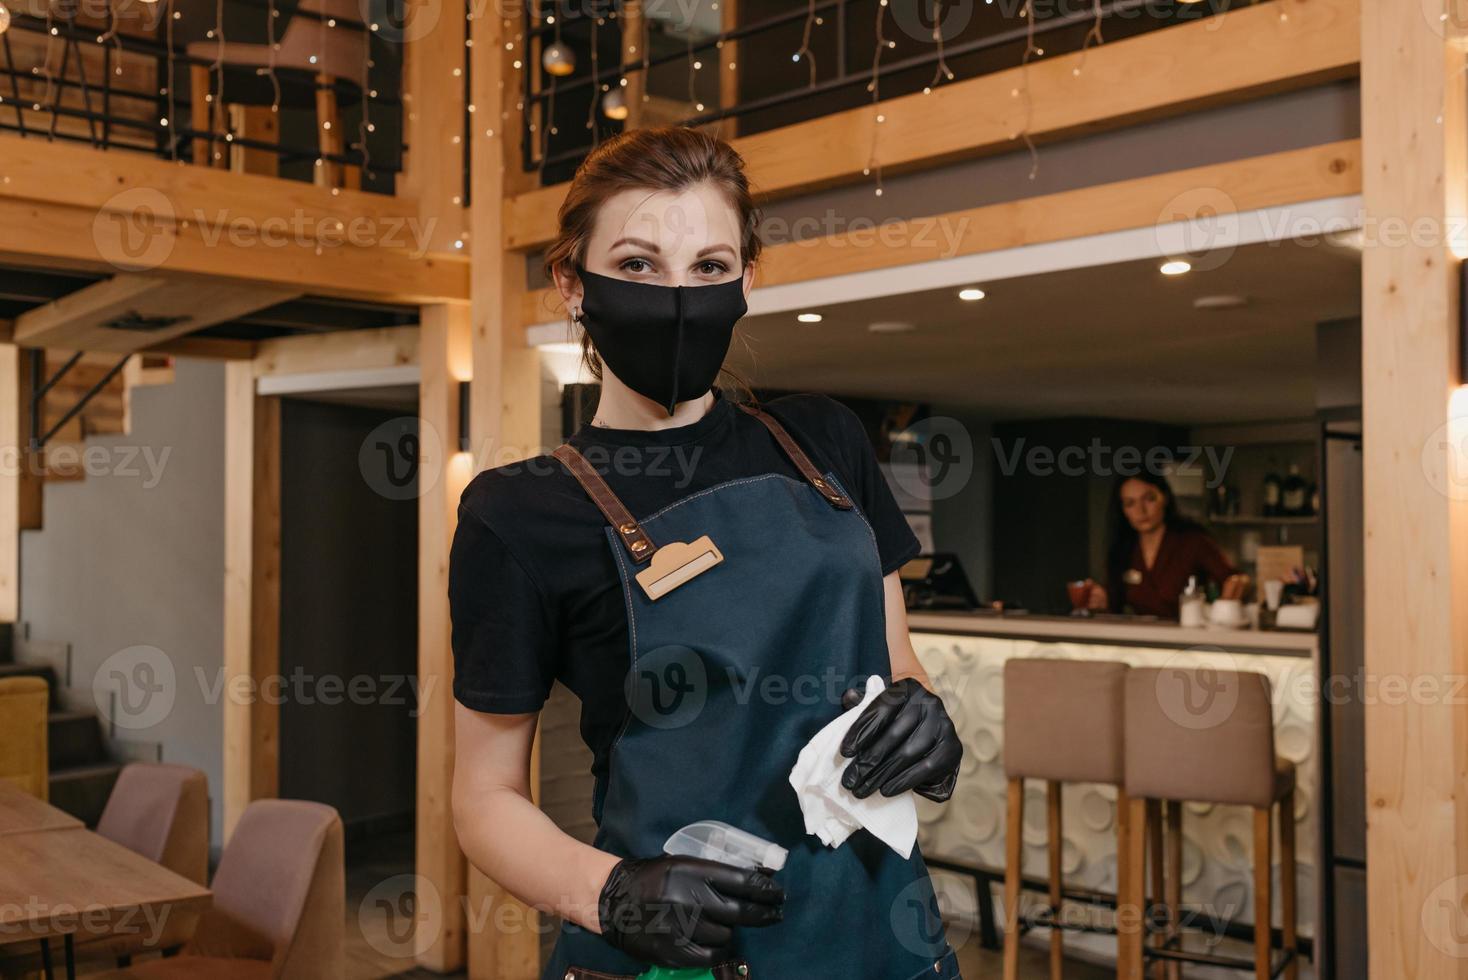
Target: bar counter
x: 964, y: 654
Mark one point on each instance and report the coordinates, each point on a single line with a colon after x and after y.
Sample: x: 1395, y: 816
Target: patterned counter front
x: 968, y: 671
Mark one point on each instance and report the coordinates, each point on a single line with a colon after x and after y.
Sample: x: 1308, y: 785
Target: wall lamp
x: 464, y: 445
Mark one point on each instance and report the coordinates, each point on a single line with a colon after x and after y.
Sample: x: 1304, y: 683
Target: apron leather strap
x: 639, y: 545
x: 633, y: 536
x: 799, y: 458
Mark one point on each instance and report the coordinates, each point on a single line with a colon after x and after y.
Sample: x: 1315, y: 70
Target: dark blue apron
x: 732, y: 674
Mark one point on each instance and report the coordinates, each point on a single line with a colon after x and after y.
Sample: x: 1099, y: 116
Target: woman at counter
x: 1154, y: 550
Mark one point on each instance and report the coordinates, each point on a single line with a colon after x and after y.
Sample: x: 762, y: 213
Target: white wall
x: 133, y: 556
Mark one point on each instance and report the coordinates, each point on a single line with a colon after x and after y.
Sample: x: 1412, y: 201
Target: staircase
x: 106, y: 413
x: 82, y: 772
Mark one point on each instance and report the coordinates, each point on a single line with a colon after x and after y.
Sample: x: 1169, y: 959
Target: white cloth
x: 832, y: 812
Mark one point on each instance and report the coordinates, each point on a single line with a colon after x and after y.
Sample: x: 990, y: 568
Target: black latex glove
x: 903, y: 740
x: 678, y: 911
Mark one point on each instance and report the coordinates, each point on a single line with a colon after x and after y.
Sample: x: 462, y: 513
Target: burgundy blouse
x: 1154, y: 591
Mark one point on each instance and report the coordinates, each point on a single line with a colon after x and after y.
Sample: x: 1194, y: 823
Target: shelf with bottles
x: 1270, y: 484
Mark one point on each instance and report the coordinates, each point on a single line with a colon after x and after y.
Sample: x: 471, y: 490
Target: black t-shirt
x: 533, y: 587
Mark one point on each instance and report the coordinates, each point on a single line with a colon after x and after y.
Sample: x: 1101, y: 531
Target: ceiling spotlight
x: 970, y: 294
x: 1176, y: 267
x: 1221, y: 302
x: 809, y: 318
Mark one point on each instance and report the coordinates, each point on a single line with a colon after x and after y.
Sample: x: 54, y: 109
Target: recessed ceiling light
x: 1176, y: 267
x: 809, y: 318
x: 890, y: 326
x: 970, y: 294
x: 1223, y: 302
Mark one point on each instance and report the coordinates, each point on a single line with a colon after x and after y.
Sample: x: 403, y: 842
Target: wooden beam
x: 1330, y: 170
x: 39, y: 172
x: 217, y: 348
x: 251, y: 591
x: 79, y: 320
x: 1217, y: 60
x: 153, y: 238
x: 505, y: 425
x: 443, y: 472
x: 1414, y: 124
x: 341, y: 350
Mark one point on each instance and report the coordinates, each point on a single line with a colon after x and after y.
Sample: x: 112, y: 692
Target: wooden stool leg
x: 1013, y: 856
x: 1123, y: 890
x: 1262, y: 888
x: 1287, y: 880
x: 1174, y: 879
x: 1154, y: 859
x: 1057, y: 937
x: 1130, y: 913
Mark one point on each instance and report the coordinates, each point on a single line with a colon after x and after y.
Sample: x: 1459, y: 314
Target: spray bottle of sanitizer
x: 717, y: 841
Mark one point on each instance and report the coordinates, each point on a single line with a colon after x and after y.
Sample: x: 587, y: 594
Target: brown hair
x: 666, y: 158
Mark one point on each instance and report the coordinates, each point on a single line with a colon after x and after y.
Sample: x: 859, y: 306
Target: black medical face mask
x: 666, y: 343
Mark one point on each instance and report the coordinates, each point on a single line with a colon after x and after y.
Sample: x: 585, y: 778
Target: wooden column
x: 722, y: 58
x: 433, y: 104
x: 251, y: 590
x: 505, y: 423
x: 443, y: 473
x: 632, y: 52
x: 1413, y: 185
x: 12, y: 445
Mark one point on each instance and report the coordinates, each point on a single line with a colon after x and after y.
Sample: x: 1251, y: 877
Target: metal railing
x: 1066, y: 27
x: 37, y: 100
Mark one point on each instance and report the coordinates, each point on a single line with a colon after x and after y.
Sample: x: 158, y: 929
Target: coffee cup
x: 1227, y: 613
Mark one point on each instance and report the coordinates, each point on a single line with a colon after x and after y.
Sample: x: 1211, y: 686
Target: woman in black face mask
x: 715, y: 580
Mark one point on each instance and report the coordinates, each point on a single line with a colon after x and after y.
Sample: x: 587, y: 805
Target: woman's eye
x: 641, y: 264
x: 713, y: 268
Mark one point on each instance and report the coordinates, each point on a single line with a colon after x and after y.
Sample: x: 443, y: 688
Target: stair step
x: 75, y: 739
x: 43, y: 671
x: 82, y: 791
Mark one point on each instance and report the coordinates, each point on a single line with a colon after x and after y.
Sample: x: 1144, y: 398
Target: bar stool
x: 1206, y: 736
x: 1063, y: 724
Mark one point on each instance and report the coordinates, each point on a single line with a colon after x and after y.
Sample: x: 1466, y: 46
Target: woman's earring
x: 576, y: 316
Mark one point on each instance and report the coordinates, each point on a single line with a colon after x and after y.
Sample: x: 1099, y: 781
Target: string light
x: 942, y: 70
x: 1030, y: 50
x: 5, y: 18
x: 873, y: 87
x: 805, y: 51
x: 170, y: 15
x: 271, y: 47
x: 591, y: 109
x: 219, y: 103
x: 1093, y: 35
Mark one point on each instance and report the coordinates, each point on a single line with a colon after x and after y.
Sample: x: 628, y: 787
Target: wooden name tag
x: 675, y: 563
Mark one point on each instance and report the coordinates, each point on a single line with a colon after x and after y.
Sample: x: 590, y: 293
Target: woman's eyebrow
x: 652, y: 247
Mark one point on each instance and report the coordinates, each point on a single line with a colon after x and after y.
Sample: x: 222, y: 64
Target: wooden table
x: 20, y: 811
x: 67, y: 882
